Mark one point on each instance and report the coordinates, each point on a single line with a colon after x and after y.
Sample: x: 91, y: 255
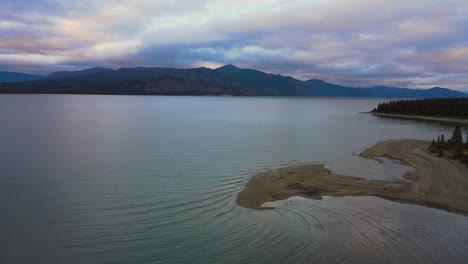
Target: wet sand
x: 425, y: 118
x: 435, y: 182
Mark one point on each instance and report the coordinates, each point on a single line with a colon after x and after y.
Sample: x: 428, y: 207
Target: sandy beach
x: 424, y: 118
x: 435, y: 182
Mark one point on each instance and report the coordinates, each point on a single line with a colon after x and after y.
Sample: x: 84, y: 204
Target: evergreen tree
x: 457, y: 140
x: 466, y: 146
x: 458, y: 152
x: 455, y: 146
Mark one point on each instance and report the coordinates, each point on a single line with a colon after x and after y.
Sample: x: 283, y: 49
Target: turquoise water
x: 135, y: 179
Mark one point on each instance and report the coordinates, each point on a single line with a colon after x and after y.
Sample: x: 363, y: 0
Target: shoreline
x: 436, y: 182
x: 423, y: 118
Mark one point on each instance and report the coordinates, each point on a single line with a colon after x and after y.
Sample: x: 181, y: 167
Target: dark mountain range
x: 18, y: 77
x: 268, y: 84
x: 227, y: 80
x: 325, y: 89
x: 322, y: 88
x: 393, y: 92
x: 68, y: 74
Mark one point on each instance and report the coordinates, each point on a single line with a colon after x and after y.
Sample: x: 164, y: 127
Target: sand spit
x: 424, y: 118
x: 435, y: 182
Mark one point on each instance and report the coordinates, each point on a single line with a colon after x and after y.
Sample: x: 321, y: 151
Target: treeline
x: 456, y: 107
x: 453, y: 147
x: 455, y: 144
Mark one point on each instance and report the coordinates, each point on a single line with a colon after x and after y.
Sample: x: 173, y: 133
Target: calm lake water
x: 135, y: 179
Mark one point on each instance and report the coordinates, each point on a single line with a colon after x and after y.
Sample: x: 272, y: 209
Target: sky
x: 411, y: 43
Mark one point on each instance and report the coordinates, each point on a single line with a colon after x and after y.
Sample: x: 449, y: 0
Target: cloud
x: 353, y: 42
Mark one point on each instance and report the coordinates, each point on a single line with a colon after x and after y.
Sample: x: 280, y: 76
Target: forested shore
x: 446, y: 107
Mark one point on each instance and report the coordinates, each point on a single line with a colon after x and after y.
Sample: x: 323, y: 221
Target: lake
x: 153, y: 179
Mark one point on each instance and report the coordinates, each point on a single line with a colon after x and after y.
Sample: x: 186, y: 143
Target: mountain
x: 201, y: 74
x: 18, y: 77
x: 163, y: 85
x: 269, y: 84
x: 325, y: 89
x: 68, y: 74
x: 393, y: 92
x: 226, y: 80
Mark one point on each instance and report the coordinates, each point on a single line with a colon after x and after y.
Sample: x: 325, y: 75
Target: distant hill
x: 162, y: 85
x: 393, y: 92
x: 68, y: 74
x: 264, y: 83
x: 226, y: 80
x: 325, y: 89
x: 18, y: 77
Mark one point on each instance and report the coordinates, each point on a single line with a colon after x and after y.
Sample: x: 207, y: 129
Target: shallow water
x: 135, y: 179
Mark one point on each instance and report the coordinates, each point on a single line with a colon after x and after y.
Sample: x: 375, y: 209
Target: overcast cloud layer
x: 353, y: 42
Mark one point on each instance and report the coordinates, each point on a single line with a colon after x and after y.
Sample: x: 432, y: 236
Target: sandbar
x: 436, y: 182
x: 439, y: 119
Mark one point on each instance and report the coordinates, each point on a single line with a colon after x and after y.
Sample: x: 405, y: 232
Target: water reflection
x: 135, y: 179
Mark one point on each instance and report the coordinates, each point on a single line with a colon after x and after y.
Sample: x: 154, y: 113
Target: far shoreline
x: 450, y: 120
